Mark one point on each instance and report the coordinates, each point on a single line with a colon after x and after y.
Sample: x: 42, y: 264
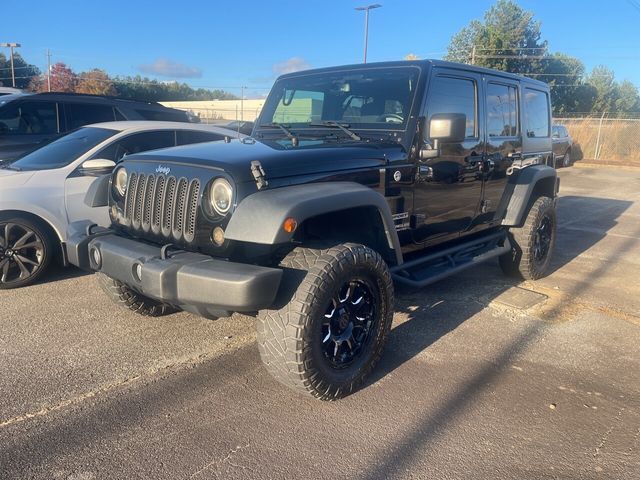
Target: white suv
x: 43, y: 191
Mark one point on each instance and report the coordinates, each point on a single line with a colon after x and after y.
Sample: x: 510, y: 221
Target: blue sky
x: 247, y: 42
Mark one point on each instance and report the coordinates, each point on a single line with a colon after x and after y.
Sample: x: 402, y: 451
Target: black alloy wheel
x: 349, y: 320
x: 24, y: 253
x: 542, y: 239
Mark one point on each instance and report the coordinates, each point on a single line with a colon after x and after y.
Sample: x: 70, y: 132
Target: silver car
x: 43, y: 191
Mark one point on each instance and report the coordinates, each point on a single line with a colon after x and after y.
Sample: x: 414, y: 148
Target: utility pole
x: 366, y: 25
x: 11, y: 46
x: 242, y: 103
x: 48, y: 70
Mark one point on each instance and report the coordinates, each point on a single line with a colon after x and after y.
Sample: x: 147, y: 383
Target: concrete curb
x: 610, y: 166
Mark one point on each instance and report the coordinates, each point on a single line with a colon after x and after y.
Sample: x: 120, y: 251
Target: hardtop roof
x: 422, y: 64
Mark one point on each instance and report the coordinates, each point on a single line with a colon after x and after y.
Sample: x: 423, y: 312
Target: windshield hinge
x: 258, y: 174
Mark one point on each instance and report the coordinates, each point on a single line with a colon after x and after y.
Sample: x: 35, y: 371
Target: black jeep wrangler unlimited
x: 355, y: 177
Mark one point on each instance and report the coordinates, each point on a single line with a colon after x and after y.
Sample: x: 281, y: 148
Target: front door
x: 448, y: 189
x: 503, y: 142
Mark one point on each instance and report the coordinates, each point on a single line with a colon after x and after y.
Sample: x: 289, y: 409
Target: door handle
x: 514, y: 156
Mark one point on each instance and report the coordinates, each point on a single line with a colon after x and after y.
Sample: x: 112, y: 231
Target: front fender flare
x: 259, y: 217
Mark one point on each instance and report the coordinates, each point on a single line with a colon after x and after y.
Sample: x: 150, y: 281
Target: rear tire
x: 330, y: 333
x: 122, y: 295
x: 566, y: 161
x: 26, y: 250
x: 532, y: 244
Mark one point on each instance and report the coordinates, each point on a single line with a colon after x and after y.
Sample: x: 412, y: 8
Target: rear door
x: 503, y: 140
x: 448, y: 188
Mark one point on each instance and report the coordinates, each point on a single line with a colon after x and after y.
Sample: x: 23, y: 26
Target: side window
x: 136, y: 143
x: 565, y: 132
x: 537, y: 113
x: 163, y: 115
x: 555, y: 131
x: 454, y: 95
x: 80, y: 114
x: 502, y: 113
x: 34, y: 118
x: 186, y: 137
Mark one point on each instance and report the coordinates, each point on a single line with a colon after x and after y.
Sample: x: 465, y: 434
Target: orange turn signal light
x: 290, y: 225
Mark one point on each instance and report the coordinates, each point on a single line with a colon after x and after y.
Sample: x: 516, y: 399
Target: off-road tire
x: 289, y: 338
x: 122, y: 295
x: 521, y: 261
x: 47, y: 250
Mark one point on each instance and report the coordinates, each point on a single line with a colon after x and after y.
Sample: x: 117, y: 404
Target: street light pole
x: 366, y: 25
x: 11, y: 46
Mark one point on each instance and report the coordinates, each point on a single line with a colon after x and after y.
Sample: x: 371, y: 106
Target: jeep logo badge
x: 165, y: 170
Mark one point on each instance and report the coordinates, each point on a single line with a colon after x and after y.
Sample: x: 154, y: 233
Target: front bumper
x: 191, y: 281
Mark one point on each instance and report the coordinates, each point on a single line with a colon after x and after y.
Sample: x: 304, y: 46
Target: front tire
x: 566, y: 161
x: 122, y: 295
x: 532, y: 244
x: 330, y: 333
x: 26, y: 250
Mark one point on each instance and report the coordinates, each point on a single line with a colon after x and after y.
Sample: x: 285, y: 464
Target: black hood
x: 278, y: 159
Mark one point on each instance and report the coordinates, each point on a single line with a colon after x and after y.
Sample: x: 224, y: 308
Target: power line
x: 634, y: 4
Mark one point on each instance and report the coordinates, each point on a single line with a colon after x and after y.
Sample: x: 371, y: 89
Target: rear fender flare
x: 530, y: 181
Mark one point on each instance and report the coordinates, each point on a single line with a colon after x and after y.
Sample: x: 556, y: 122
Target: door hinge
x: 258, y: 174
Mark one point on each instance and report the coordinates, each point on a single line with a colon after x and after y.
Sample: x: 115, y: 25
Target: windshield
x: 64, y: 150
x: 378, y: 99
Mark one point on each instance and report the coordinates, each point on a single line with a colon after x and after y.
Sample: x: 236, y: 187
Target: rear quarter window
x: 80, y: 114
x: 536, y: 113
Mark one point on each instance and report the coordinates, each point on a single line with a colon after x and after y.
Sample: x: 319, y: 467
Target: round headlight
x: 221, y: 196
x: 120, y: 182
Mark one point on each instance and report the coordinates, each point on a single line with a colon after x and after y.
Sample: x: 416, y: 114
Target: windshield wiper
x: 285, y: 129
x: 341, y: 126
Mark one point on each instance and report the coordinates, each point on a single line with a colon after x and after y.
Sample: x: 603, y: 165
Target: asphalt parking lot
x: 483, y: 377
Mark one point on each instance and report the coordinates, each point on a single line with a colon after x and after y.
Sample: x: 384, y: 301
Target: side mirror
x: 97, y: 166
x: 444, y: 128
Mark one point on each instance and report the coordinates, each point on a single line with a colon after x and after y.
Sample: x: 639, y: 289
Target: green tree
x: 565, y: 76
x: 145, y: 89
x: 24, y: 71
x: 628, y: 98
x: 603, y: 80
x: 507, y: 39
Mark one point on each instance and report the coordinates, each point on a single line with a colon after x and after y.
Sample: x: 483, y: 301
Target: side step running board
x: 435, y: 266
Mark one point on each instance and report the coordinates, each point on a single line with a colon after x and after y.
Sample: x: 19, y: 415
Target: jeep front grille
x: 163, y: 205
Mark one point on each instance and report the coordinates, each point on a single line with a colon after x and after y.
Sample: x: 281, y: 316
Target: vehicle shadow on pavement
x: 57, y: 273
x: 438, y: 309
x: 583, y: 222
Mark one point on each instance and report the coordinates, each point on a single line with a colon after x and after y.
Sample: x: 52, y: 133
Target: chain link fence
x: 604, y: 138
